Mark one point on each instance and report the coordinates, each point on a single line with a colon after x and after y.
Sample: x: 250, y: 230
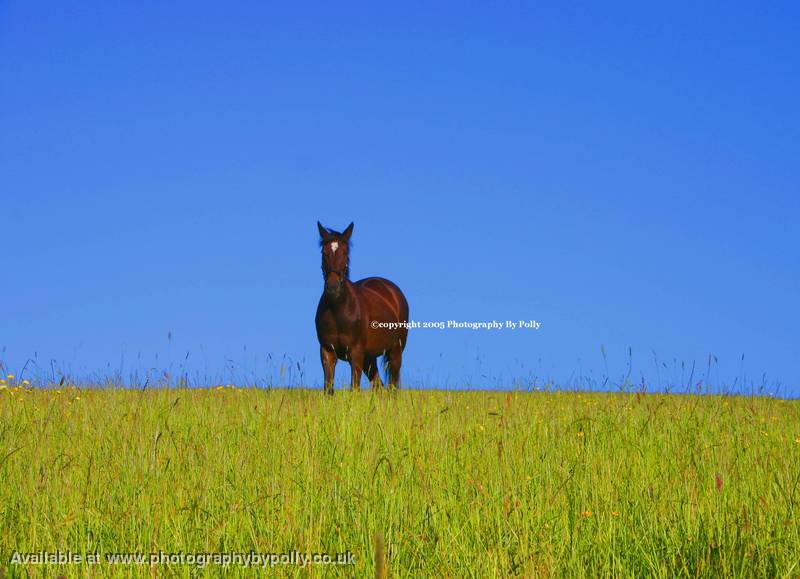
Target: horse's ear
x: 322, y: 231
x: 348, y: 232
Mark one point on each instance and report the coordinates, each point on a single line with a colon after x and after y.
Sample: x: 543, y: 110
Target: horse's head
x: 335, y: 258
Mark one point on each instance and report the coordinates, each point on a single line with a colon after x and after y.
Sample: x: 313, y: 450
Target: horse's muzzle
x: 333, y: 285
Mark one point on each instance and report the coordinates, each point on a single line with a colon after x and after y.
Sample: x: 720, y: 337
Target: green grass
x: 467, y: 484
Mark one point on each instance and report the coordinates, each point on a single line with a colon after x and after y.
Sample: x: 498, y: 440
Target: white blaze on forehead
x: 334, y: 246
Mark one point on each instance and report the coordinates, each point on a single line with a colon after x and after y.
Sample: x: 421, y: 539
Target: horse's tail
x: 385, y: 366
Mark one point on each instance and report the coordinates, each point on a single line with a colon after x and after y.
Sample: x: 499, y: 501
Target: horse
x: 358, y: 321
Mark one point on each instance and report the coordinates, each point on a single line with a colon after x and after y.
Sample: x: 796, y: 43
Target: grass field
x: 444, y: 484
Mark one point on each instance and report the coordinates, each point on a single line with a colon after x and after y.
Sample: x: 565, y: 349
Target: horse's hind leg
x: 394, y: 359
x: 373, y: 374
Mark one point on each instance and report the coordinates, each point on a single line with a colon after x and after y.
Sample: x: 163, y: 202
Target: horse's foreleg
x: 328, y: 358
x: 356, y: 367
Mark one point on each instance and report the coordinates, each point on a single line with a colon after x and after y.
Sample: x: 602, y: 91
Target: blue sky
x: 625, y: 174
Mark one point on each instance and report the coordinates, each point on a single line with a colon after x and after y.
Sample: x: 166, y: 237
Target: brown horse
x: 358, y: 321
